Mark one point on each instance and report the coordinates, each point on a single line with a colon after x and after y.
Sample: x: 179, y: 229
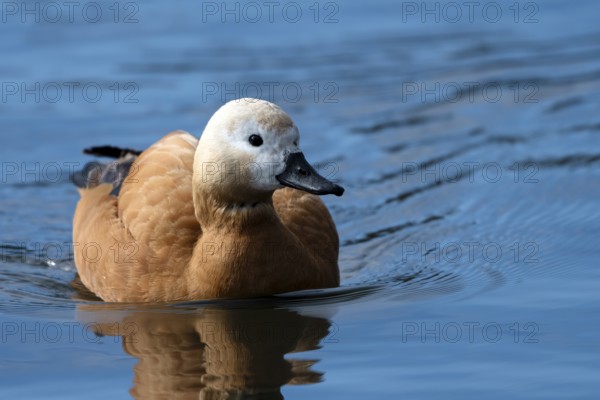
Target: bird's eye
x: 255, y: 140
x: 296, y: 142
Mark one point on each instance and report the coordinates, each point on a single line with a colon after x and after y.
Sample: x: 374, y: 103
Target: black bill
x: 299, y: 174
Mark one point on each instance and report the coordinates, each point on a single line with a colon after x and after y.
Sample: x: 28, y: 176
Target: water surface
x: 468, y: 229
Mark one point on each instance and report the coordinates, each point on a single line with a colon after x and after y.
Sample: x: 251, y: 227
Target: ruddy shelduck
x: 233, y: 214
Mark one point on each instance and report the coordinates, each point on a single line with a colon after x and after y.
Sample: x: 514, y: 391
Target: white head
x: 250, y: 148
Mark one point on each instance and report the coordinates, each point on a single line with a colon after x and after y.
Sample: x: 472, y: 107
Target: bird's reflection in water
x: 212, y: 352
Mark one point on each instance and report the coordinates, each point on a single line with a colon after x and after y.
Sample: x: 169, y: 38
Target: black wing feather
x: 114, y: 173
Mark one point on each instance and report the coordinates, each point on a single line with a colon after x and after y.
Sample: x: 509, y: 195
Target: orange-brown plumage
x: 177, y: 232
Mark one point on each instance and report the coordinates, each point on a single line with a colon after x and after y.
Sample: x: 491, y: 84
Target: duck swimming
x: 233, y: 214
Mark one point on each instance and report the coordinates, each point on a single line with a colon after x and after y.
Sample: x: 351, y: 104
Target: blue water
x: 466, y: 140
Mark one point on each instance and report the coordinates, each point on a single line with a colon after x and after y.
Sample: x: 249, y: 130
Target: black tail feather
x: 114, y: 173
x: 111, y: 151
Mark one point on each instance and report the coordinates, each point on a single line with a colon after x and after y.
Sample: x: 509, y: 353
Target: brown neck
x: 219, y: 211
